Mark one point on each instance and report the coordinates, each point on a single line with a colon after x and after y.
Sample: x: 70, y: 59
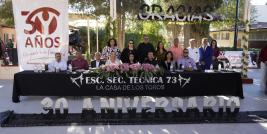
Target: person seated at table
x: 131, y: 59
x: 79, y: 62
x: 57, y: 63
x: 186, y: 63
x: 97, y: 62
x: 151, y: 59
x: 168, y: 64
x: 113, y: 60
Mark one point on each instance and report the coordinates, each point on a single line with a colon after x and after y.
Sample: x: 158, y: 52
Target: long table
x: 179, y: 84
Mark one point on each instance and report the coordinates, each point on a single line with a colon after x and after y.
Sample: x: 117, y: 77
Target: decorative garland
x: 245, y: 54
x: 126, y: 70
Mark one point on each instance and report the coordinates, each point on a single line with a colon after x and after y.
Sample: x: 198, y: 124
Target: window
x: 258, y: 35
x: 13, y: 37
x: 216, y: 36
x: 225, y: 36
x: 252, y: 36
x: 5, y: 37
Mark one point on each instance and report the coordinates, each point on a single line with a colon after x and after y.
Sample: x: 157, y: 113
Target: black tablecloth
x: 28, y: 83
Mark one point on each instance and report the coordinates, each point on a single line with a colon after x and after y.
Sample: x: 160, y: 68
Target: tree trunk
x: 119, y: 41
x: 196, y: 31
x: 175, y: 30
x: 187, y: 34
x: 123, y: 30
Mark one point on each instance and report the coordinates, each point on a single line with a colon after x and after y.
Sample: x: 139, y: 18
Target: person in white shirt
x: 193, y: 50
x: 57, y: 63
x: 113, y: 59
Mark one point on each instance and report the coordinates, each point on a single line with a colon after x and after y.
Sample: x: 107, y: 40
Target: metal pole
x: 88, y: 37
x: 97, y: 43
x: 236, y: 24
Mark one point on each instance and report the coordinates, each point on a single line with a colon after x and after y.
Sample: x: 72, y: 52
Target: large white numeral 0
x: 64, y: 103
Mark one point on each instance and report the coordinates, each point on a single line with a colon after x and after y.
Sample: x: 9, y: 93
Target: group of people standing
x: 176, y: 57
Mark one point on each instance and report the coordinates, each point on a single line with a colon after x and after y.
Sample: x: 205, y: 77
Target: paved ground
x: 254, y: 100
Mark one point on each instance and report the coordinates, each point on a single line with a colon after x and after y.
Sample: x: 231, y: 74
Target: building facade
x: 6, y: 33
x: 257, y: 36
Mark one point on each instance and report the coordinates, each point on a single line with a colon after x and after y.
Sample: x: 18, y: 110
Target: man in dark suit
x: 97, y: 62
x: 205, y: 55
x: 144, y: 48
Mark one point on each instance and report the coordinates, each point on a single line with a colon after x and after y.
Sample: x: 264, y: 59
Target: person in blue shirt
x: 205, y: 55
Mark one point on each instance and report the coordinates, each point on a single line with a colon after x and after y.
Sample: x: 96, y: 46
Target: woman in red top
x: 263, y: 61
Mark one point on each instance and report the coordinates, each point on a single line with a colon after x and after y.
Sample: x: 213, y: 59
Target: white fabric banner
x: 42, y: 30
x: 235, y: 58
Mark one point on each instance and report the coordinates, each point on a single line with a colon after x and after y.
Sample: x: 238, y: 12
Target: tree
x: 6, y: 13
x: 195, y: 30
x: 101, y: 7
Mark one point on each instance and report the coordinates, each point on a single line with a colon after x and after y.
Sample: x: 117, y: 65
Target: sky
x: 258, y: 2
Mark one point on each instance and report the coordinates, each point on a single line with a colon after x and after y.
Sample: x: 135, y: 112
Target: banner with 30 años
x: 42, y: 30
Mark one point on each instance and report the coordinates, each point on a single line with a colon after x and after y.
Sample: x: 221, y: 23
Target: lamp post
x: 236, y: 24
x: 88, y: 37
x: 97, y: 41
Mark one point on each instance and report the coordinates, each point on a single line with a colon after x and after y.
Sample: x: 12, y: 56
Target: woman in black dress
x: 126, y: 51
x: 131, y: 59
x: 160, y: 52
x: 168, y: 64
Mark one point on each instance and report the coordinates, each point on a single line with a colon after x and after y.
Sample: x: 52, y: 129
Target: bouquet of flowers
x: 149, y: 70
x: 142, y: 70
x: 109, y: 70
x: 112, y: 68
x: 124, y: 68
x: 135, y: 69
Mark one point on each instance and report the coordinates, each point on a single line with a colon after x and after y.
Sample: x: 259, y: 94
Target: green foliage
x: 101, y: 7
x: 87, y: 56
x: 138, y: 29
x: 107, y: 29
x: 228, y: 13
x: 6, y: 13
x: 90, y: 7
x: 101, y: 38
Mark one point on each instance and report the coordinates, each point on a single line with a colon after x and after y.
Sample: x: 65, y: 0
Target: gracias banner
x: 42, y: 30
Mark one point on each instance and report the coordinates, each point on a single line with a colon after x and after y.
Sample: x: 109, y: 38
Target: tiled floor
x: 254, y: 100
